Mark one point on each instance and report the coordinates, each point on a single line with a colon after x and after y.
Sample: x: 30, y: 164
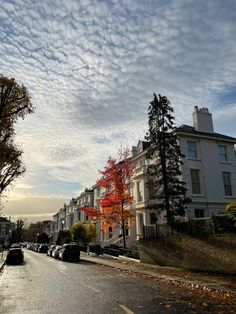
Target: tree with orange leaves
x: 116, y: 179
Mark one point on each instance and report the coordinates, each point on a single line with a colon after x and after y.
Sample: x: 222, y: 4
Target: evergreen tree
x: 167, y: 191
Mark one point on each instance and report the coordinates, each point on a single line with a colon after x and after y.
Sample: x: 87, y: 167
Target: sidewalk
x: 2, y: 259
x: 222, y: 283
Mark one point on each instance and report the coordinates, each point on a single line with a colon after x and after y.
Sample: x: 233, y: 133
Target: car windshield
x: 15, y: 251
x: 71, y: 247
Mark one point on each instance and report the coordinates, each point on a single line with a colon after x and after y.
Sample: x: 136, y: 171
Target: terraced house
x: 209, y: 171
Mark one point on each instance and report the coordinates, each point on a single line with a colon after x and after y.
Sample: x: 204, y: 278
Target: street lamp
x: 62, y: 223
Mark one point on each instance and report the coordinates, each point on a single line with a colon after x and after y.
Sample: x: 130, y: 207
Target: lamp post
x: 62, y: 223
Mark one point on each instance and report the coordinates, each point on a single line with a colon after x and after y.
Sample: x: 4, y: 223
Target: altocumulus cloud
x: 92, y: 66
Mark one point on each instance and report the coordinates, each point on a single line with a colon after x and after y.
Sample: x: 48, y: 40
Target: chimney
x: 134, y: 151
x: 202, y: 120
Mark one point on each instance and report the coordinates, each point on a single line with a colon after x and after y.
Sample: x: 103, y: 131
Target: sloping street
x: 46, y: 285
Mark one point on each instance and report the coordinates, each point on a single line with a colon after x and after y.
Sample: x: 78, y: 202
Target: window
x: 139, y: 192
x: 153, y: 218
x: 192, y: 150
x: 110, y: 232
x: 195, y: 178
x: 227, y: 183
x: 222, y: 153
x: 199, y: 213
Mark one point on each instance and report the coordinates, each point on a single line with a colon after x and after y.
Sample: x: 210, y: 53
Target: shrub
x: 83, y: 233
x: 231, y: 210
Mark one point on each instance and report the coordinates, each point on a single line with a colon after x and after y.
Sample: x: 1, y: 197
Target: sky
x: 91, y: 68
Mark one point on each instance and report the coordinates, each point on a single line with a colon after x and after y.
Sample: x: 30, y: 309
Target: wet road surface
x: 45, y: 285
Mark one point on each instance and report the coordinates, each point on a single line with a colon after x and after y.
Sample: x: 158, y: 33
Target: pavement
x: 2, y: 259
x: 183, y: 277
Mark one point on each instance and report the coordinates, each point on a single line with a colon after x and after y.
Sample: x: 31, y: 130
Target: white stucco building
x: 209, y: 168
x: 71, y: 213
x: 209, y: 171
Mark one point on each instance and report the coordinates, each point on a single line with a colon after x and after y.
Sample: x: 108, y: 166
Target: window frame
x: 196, y: 184
x: 227, y: 185
x: 222, y: 156
x: 139, y: 192
x: 192, y: 153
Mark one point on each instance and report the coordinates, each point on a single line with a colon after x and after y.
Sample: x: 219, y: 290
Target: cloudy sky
x: 91, y: 67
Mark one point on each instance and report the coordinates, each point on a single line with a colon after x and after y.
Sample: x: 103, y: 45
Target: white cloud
x: 91, y: 68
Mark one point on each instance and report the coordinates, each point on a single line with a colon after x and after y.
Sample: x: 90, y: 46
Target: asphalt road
x: 45, y: 285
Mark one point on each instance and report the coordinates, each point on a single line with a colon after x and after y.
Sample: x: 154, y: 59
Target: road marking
x: 94, y: 289
x: 82, y: 283
x: 65, y: 274
x: 126, y: 309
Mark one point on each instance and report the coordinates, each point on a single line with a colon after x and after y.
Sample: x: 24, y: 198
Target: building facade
x: 6, y: 227
x: 71, y: 213
x: 209, y: 171
x: 209, y: 166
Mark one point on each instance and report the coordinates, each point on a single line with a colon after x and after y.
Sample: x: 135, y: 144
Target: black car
x: 15, y: 256
x: 70, y: 252
x: 55, y: 251
x: 43, y: 248
x: 52, y: 247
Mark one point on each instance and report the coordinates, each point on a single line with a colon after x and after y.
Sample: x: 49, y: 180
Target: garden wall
x: 213, y: 253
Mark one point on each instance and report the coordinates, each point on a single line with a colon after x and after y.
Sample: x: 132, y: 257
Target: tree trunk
x: 123, y: 231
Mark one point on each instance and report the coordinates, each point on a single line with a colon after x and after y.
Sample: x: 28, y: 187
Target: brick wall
x: 214, y: 253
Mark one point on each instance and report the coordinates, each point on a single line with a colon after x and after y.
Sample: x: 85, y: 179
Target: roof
x: 191, y: 131
x: 3, y: 219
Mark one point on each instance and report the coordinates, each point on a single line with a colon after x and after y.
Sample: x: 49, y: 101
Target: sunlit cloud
x: 91, y: 68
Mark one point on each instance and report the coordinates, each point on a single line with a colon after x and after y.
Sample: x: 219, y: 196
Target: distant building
x: 6, y: 227
x: 36, y: 228
x: 71, y: 213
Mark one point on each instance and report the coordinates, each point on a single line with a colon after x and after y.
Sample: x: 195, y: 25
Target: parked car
x: 43, y: 248
x: 15, y: 245
x: 49, y: 252
x: 35, y: 248
x: 69, y: 252
x: 15, y: 256
x: 55, y: 251
x: 29, y: 246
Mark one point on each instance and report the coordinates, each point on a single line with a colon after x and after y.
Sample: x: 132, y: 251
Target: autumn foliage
x: 116, y: 179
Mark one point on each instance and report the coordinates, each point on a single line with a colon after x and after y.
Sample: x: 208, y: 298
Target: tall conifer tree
x: 164, y: 175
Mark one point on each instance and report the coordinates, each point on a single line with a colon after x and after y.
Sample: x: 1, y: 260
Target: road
x: 45, y: 285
